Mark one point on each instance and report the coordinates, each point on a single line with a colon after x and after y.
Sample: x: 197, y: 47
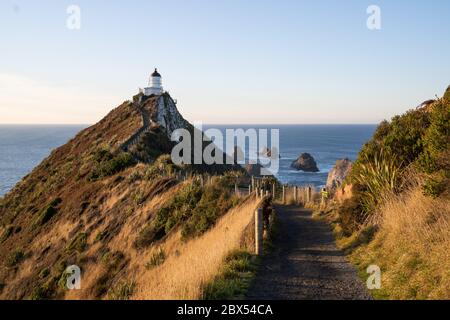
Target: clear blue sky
x: 226, y: 61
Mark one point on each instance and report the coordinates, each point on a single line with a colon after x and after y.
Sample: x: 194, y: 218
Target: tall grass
x: 190, y: 265
x: 411, y: 247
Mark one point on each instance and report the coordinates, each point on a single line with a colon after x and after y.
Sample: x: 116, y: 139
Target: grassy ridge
x: 398, y: 216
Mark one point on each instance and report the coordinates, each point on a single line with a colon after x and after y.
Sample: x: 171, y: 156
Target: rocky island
x: 305, y: 163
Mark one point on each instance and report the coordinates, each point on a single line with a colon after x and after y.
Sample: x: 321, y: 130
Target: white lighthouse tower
x: 154, y: 84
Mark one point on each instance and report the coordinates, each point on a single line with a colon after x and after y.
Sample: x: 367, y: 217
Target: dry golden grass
x: 191, y: 264
x: 412, y: 247
x: 181, y: 275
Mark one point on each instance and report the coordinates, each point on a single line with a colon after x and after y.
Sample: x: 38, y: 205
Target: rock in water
x: 305, y: 163
x: 338, y: 174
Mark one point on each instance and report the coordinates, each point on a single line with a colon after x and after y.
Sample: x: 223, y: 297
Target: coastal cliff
x: 112, y: 203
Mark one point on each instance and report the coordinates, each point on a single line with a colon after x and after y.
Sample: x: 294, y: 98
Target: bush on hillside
x: 107, y: 164
x: 47, y: 213
x: 14, y: 258
x: 376, y: 177
x: 417, y: 141
x: 215, y: 201
x: 419, y: 138
x: 175, y: 211
x: 194, y: 208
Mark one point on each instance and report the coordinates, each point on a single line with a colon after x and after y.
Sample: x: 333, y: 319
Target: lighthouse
x: 154, y: 84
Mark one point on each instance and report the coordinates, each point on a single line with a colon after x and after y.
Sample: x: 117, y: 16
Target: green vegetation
x: 41, y: 292
x: 163, y: 166
x: 48, y: 212
x: 239, y: 268
x: 175, y: 211
x: 378, y: 175
x: 122, y: 291
x: 401, y: 175
x: 215, y: 201
x: 101, y: 236
x: 194, y: 208
x: 419, y: 140
x: 237, y: 273
x: 44, y: 273
x: 14, y: 258
x: 108, y: 164
x: 78, y: 243
x: 114, y: 262
x: 156, y: 259
x: 6, y: 234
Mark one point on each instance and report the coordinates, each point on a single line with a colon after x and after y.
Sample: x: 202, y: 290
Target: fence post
x: 295, y: 195
x: 284, y: 194
x: 249, y: 189
x: 309, y: 194
x: 258, y: 231
x: 273, y: 191
x: 253, y: 182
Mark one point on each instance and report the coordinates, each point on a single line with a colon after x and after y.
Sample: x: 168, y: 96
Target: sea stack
x: 338, y: 174
x: 305, y: 163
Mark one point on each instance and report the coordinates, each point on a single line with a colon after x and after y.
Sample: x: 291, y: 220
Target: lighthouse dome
x: 156, y: 73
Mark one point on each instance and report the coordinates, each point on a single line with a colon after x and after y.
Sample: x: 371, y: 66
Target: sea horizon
x: 31, y: 143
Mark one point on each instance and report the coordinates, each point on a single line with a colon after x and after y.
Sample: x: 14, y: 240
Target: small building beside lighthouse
x: 154, y: 84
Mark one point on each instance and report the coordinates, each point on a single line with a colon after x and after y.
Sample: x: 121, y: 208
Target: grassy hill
x: 394, y: 210
x: 122, y: 212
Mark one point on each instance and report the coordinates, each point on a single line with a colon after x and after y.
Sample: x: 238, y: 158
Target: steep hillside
x: 103, y: 200
x: 394, y: 211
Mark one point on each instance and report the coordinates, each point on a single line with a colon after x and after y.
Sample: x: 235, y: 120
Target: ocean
x: 22, y: 147
x: 326, y: 143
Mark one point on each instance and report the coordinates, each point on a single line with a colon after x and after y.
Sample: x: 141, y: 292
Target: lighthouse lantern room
x: 154, y: 84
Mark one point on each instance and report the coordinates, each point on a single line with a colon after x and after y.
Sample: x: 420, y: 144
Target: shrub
x: 14, y: 258
x: 433, y: 187
x: 418, y: 139
x: 114, y: 262
x: 78, y: 243
x: 48, y: 212
x: 377, y: 177
x: 108, y: 165
x: 163, y: 166
x: 123, y: 291
x: 175, y: 211
x: 101, y: 236
x: 6, y: 234
x: 44, y: 273
x: 402, y: 137
x: 215, y: 201
x: 41, y: 292
x: 156, y: 259
x: 351, y: 215
x: 194, y: 208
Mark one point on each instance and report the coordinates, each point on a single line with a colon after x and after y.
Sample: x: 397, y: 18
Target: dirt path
x: 306, y: 263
